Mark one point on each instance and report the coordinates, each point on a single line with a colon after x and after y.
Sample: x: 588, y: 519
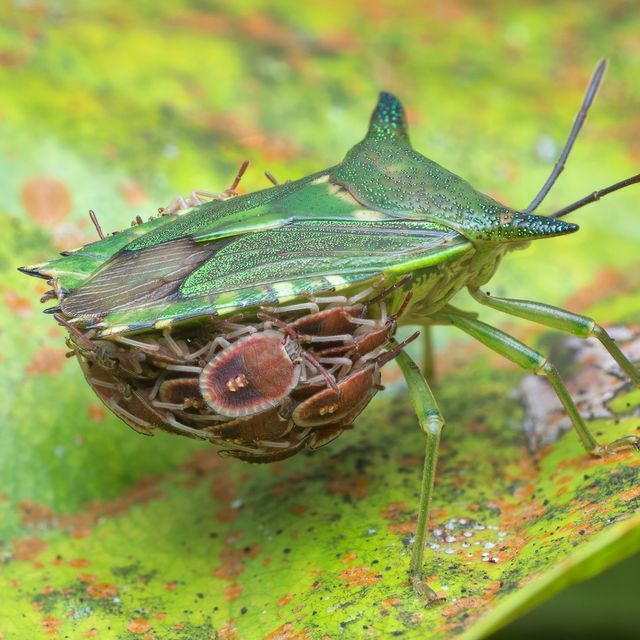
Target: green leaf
x: 119, y: 106
x: 112, y: 531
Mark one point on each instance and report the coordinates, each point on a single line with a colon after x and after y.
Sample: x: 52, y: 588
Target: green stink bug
x: 309, y: 271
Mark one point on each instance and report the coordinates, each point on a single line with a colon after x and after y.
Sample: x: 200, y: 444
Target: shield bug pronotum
x: 260, y: 322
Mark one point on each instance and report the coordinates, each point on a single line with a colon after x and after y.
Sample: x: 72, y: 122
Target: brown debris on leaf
x: 597, y: 381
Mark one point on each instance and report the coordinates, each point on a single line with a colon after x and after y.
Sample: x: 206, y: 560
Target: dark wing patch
x: 137, y: 279
x: 183, y: 279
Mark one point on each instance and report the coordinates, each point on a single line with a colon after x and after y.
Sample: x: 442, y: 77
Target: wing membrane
x: 320, y: 249
x: 276, y: 266
x: 267, y: 247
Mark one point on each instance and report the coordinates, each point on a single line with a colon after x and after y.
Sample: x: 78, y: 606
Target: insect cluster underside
x: 263, y: 388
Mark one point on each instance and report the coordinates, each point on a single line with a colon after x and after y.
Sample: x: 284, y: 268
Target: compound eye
x: 253, y: 374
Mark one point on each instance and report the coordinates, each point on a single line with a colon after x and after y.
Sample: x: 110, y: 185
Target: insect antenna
x: 395, y: 349
x: 577, y: 125
x: 596, y: 195
x: 75, y: 332
x: 236, y: 181
x: 270, y: 178
x: 96, y: 224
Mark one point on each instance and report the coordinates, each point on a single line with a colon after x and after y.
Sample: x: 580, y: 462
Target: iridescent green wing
x: 212, y: 220
x: 274, y: 266
x: 264, y: 248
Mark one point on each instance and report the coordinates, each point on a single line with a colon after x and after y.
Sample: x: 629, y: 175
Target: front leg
x: 431, y: 423
x: 557, y: 318
x: 428, y: 363
x: 534, y: 362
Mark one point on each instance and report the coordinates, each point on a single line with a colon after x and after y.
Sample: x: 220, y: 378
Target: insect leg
x: 578, y: 325
x: 431, y: 423
x: 532, y: 361
x: 428, y: 364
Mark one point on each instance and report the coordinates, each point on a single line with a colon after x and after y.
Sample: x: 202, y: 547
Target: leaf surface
x: 120, y: 106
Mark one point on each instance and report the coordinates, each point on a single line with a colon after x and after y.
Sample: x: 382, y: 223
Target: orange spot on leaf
x: 469, y: 606
x: 46, y: 199
x: 232, y: 560
x: 630, y: 494
x: 34, y: 515
x: 609, y: 280
x: 47, y: 360
x: 96, y: 412
x: 233, y: 592
x: 391, y: 602
x: 227, y: 514
x: 203, y: 463
x: 228, y: 631
x: 394, y: 510
x: 288, y: 632
x: 139, y: 625
x: 360, y: 576
x: 132, y: 192
x: 350, y: 486
x: 286, y: 599
x: 79, y: 563
x: 403, y: 528
x: 102, y: 590
x: 28, y: 548
x: 17, y: 304
x: 50, y: 624
x: 349, y: 557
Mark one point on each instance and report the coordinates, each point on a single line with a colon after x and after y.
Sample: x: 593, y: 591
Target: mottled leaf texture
x: 118, y: 107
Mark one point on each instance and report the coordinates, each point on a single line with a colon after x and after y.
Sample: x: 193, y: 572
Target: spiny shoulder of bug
x: 384, y: 172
